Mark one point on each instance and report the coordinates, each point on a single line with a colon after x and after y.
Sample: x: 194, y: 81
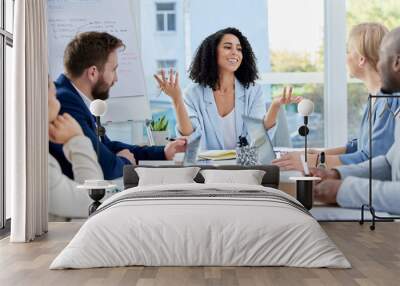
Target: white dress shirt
x: 86, y: 99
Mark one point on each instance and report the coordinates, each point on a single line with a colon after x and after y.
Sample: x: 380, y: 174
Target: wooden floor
x: 375, y: 257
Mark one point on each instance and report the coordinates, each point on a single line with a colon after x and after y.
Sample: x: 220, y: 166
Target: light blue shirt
x: 206, y: 121
x: 383, y: 125
x: 385, y: 184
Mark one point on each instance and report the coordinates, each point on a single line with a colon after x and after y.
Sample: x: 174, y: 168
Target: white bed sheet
x: 200, y: 231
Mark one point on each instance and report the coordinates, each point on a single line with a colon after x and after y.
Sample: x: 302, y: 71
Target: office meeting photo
x: 199, y: 142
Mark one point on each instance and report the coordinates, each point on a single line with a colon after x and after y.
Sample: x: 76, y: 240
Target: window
x: 165, y: 17
x: 6, y: 43
x: 9, y: 70
x: 166, y: 64
x: 286, y: 54
x: 297, y: 59
x: 299, y: 43
x: 314, y: 92
x: 9, y: 12
x: 386, y: 12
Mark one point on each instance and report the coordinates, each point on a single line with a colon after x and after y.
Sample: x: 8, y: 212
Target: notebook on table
x: 217, y: 155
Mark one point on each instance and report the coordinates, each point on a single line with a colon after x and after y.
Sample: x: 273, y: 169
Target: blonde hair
x: 366, y: 39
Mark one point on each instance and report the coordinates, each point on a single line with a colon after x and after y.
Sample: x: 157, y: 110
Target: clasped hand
x: 327, y: 189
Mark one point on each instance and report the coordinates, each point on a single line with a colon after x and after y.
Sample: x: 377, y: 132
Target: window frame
x: 6, y: 39
x: 164, y: 66
x: 335, y: 88
x: 165, y: 14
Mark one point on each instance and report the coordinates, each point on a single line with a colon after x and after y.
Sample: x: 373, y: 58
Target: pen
x: 170, y: 139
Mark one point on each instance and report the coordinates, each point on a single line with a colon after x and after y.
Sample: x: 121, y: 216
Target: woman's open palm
x: 287, y: 97
x: 169, y: 86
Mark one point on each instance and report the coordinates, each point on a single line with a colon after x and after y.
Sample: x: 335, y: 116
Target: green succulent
x: 161, y: 124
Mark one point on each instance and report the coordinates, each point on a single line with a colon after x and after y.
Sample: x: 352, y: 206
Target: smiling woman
x: 224, y: 72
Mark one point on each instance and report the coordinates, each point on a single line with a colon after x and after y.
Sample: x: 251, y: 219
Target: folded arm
x: 80, y: 153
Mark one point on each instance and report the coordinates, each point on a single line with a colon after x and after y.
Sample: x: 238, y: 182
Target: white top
x: 229, y: 130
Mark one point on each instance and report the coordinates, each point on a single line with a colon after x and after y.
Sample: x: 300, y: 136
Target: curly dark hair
x: 204, y: 67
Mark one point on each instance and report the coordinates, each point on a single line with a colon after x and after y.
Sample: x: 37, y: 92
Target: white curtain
x: 26, y: 117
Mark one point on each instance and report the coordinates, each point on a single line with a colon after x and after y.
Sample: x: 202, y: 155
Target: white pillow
x: 248, y: 177
x: 166, y: 176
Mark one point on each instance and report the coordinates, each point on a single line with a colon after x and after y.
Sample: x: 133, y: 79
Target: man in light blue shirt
x: 348, y: 186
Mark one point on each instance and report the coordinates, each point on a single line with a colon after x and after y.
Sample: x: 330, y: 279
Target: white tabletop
x: 286, y: 175
x: 95, y: 187
x: 303, y: 178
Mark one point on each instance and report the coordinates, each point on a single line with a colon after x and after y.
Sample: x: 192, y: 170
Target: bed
x: 197, y: 224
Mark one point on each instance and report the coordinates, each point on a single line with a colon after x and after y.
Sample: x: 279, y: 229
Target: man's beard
x: 101, y: 90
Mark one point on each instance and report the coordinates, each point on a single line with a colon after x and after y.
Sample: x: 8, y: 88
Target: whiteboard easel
x: 128, y: 98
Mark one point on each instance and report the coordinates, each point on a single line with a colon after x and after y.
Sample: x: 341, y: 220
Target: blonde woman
x: 362, y: 59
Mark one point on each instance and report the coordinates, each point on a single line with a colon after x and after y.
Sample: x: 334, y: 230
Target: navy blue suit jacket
x: 111, y: 164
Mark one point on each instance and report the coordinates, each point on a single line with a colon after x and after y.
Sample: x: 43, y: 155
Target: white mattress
x: 189, y: 231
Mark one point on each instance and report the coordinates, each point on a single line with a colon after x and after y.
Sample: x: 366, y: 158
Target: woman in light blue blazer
x: 362, y: 59
x: 224, y: 72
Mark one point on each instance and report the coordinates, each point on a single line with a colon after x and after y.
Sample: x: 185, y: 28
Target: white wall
x: 160, y: 45
x: 250, y: 17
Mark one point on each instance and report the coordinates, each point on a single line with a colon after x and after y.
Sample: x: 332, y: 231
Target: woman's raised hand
x: 287, y: 97
x: 169, y: 86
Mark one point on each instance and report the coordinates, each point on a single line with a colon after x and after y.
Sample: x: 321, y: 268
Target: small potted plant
x: 159, y: 130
